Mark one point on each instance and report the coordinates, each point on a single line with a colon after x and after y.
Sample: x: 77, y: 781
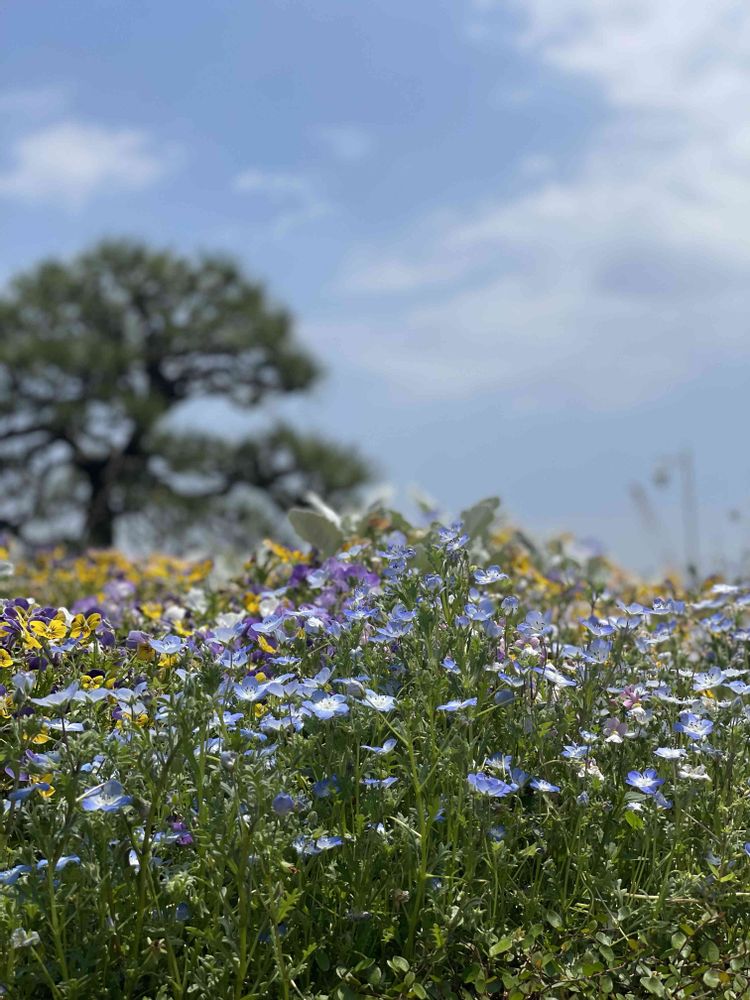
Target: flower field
x: 437, y: 763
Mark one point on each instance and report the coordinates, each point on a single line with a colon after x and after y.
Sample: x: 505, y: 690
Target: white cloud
x: 346, y: 142
x: 293, y: 196
x: 625, y: 279
x: 71, y: 162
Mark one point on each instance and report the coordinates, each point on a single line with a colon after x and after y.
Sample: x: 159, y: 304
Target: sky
x: 515, y: 232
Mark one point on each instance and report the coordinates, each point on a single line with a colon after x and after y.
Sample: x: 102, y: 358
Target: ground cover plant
x: 410, y: 763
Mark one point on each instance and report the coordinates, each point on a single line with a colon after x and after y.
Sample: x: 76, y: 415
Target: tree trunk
x: 99, y: 529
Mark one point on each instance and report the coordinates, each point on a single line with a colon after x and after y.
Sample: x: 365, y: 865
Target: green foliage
x: 96, y: 355
x: 426, y: 887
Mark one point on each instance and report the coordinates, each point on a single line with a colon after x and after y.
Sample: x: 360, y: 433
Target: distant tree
x: 96, y: 354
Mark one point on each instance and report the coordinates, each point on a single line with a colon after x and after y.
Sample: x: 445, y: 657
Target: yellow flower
x: 152, y: 611
x: 252, y: 603
x: 284, y: 554
x: 82, y: 627
x: 265, y: 646
x: 260, y: 676
x: 89, y: 683
x: 6, y: 660
x: 36, y: 779
x: 53, y: 631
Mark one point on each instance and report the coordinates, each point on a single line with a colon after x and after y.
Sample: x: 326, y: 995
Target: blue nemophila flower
x: 708, y: 680
x: 108, y: 797
x: 536, y: 623
x: 11, y: 875
x: 482, y: 611
x: 386, y: 747
x: 597, y: 627
x: 540, y: 785
x: 456, y: 706
x: 451, y: 539
x: 283, y: 804
x: 58, y: 698
x: 739, y: 687
x: 308, y: 846
x: 399, y: 624
x: 486, y: 784
x: 248, y: 689
x: 667, y: 607
x: 324, y: 788
x: 634, y: 610
x: 496, y: 833
x: 21, y: 938
x: 747, y: 848
x: 490, y: 575
x: 380, y: 702
x: 233, y: 658
x: 168, y: 646
x: 647, y: 781
x: 63, y: 862
x: 597, y: 651
x: 450, y: 665
x: 670, y: 753
x: 326, y: 706
x: 379, y: 782
x: 574, y: 751
x: 693, y: 726
x: 554, y: 676
x: 21, y: 794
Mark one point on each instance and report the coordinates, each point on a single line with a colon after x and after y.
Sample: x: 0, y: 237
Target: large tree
x: 96, y: 354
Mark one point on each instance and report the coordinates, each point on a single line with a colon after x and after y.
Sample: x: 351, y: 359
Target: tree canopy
x: 95, y: 356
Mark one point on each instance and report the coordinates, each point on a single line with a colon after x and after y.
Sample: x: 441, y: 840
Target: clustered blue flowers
x: 329, y: 706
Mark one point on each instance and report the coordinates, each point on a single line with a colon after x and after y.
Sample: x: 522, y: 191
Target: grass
x: 195, y: 813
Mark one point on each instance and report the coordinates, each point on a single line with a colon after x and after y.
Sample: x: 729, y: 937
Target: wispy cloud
x: 293, y: 197
x: 72, y: 162
x: 625, y: 279
x: 348, y: 143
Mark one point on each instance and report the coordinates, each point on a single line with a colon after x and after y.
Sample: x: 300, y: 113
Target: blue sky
x: 514, y: 232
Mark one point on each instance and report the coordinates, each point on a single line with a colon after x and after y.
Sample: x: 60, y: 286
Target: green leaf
x: 633, y: 819
x: 317, y: 529
x: 478, y: 518
x: 399, y: 964
x: 709, y: 951
x: 504, y: 944
x: 419, y: 991
x: 678, y: 940
x: 653, y: 985
x: 606, y: 984
x: 474, y: 973
x: 711, y: 977
x: 554, y: 919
